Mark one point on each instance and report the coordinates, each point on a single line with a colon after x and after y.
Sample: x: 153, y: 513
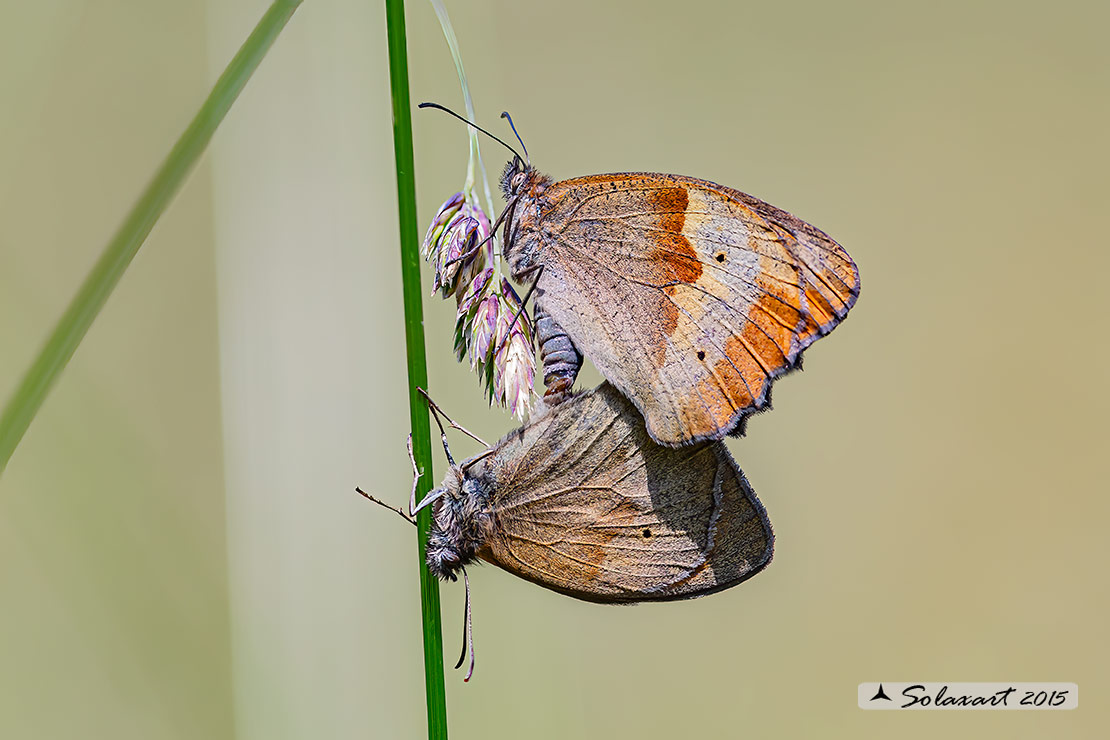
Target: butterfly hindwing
x: 587, y: 504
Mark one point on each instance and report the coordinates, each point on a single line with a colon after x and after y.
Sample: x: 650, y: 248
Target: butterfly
x: 689, y: 297
x: 580, y: 500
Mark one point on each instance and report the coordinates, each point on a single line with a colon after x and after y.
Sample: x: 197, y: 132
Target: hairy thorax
x: 526, y: 194
x: 461, y: 523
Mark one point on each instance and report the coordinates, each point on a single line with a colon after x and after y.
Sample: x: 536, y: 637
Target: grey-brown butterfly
x: 582, y: 501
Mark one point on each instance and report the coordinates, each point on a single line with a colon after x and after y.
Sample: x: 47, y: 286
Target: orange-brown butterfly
x: 580, y: 500
x: 688, y: 296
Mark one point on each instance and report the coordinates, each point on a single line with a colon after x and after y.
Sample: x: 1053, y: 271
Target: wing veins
x: 600, y: 566
x: 669, y: 395
x: 786, y: 353
x: 739, y: 278
x: 769, y: 375
x: 794, y: 262
x: 724, y: 354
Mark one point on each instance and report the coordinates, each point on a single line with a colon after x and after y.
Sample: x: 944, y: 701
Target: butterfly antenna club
x: 506, y: 116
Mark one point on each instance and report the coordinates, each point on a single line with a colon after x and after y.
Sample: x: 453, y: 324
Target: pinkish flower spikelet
x: 485, y: 330
x: 487, y: 325
x: 443, y: 217
x: 518, y: 374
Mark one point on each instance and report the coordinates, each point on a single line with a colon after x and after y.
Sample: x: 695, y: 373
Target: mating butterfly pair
x: 690, y: 298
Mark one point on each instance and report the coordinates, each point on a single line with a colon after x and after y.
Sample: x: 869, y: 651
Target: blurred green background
x: 181, y: 551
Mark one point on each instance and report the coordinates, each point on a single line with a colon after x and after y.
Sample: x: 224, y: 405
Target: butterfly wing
x: 586, y: 504
x: 690, y: 297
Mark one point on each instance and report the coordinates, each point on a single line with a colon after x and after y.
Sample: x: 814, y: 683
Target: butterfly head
x: 522, y: 179
x: 461, y: 521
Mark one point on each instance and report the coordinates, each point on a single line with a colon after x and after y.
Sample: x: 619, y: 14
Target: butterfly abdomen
x: 561, y: 359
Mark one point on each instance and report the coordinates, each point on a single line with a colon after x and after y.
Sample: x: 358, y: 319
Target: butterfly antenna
x: 468, y: 631
x: 505, y: 115
x: 379, y: 502
x: 437, y: 106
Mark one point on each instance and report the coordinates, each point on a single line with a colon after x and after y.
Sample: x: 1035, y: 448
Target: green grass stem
x: 28, y: 397
x: 417, y: 362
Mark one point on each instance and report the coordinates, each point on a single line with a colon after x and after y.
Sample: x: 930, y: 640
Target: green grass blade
x: 417, y: 363
x: 105, y: 274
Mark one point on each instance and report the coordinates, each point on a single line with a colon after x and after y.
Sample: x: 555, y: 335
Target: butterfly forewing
x: 690, y: 297
x: 587, y: 504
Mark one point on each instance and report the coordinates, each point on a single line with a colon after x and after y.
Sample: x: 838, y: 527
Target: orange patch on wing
x: 739, y: 353
x: 673, y: 255
x: 737, y: 389
x: 590, y: 555
x: 759, y: 339
x: 819, y: 308
x: 725, y: 391
x: 778, y: 312
x: 671, y: 205
x: 707, y: 411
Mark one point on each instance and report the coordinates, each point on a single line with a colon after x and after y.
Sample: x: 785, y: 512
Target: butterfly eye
x: 517, y: 180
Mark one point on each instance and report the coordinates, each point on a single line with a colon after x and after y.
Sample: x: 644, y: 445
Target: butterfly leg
x: 437, y: 412
x: 561, y: 359
x: 415, y: 477
x: 492, y: 233
x: 523, y: 303
x: 414, y: 508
